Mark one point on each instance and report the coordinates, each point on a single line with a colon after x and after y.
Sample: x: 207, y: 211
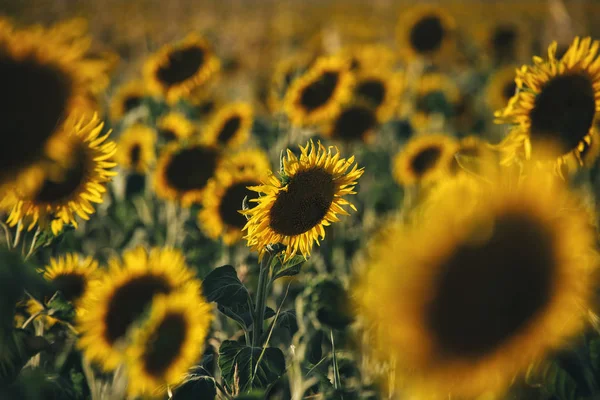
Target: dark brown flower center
x: 427, y: 34
x: 372, y: 90
x: 181, y: 65
x: 131, y: 102
x: 229, y: 129
x: 509, y: 90
x: 206, y: 107
x: 129, y: 301
x: 135, y: 154
x: 305, y: 203
x: 165, y: 344
x: 319, y: 92
x: 34, y: 99
x: 564, y: 110
x: 73, y: 178
x: 191, y: 168
x: 71, y: 285
x: 231, y: 203
x: 504, y: 41
x: 354, y: 123
x: 168, y: 135
x: 488, y: 292
x: 425, y: 160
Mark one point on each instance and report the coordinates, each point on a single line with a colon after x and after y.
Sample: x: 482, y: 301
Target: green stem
x: 336, y: 371
x: 261, y: 299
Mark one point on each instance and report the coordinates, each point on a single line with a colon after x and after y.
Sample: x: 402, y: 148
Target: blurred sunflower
x: 252, y: 159
x: 501, y: 87
x: 183, y: 171
x: 122, y: 296
x: 168, y: 343
x: 356, y: 122
x: 43, y: 81
x: 363, y: 58
x: 505, y: 41
x: 436, y: 96
x: 135, y: 151
x: 316, y: 96
x: 231, y: 125
x: 309, y: 196
x: 424, y: 159
x: 176, y: 69
x: 426, y: 31
x: 222, y: 201
x: 557, y: 101
x: 492, y: 278
x: 175, y: 126
x: 70, y: 187
x: 286, y: 72
x: 471, y: 151
x: 127, y: 98
x: 382, y: 89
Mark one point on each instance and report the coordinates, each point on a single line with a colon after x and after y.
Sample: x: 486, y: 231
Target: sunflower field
x: 299, y: 199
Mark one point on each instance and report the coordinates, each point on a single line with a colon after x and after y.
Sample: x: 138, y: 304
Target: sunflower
x: 43, y: 81
x: 136, y: 148
x: 183, y: 171
x: 127, y: 98
x: 363, y: 58
x: 558, y: 101
x: 222, y: 202
x: 505, y: 41
x: 426, y: 31
x: 177, y: 69
x: 491, y: 278
x: 355, y: 122
x: 317, y: 95
x: 175, y: 126
x: 501, y: 87
x: 121, y: 297
x: 310, y: 195
x: 436, y: 96
x: 254, y: 160
x: 231, y: 125
x: 286, y: 72
x: 168, y: 343
x: 83, y: 175
x: 382, y: 89
x: 424, y: 159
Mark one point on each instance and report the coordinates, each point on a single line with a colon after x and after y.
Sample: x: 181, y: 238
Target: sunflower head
x: 70, y: 184
x: 71, y: 274
x: 136, y: 148
x: 168, y: 343
x: 501, y: 87
x: 382, y: 89
x: 231, y: 125
x: 286, y: 72
x: 437, y: 96
x: 425, y: 159
x: 365, y: 58
x: 355, y: 122
x: 317, y: 95
x: 121, y: 297
x: 177, y: 69
x: 310, y: 195
x: 126, y: 98
x: 557, y: 100
x: 175, y: 126
x: 183, y: 171
x: 426, y: 31
x: 491, y: 279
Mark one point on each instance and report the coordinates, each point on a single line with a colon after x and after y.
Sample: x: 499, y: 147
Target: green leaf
x: 290, y: 268
x: 240, y: 365
x: 287, y: 320
x: 254, y: 395
x: 201, y: 387
x: 553, y: 380
x: 224, y: 288
x: 60, y: 308
x: 242, y: 314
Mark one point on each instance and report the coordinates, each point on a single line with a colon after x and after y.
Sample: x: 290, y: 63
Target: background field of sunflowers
x: 299, y: 200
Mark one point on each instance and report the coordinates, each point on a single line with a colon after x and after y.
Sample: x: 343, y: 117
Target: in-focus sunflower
x: 317, y: 95
x: 437, y: 96
x: 557, y: 101
x: 492, y: 278
x: 222, y: 201
x: 501, y: 87
x: 175, y: 126
x: 231, y: 125
x: 136, y: 148
x: 183, y: 171
x: 119, y: 300
x: 168, y: 343
x: 127, y: 98
x: 355, y: 122
x: 73, y: 182
x: 176, y: 69
x: 43, y: 81
x: 424, y: 159
x: 382, y: 90
x: 426, y: 31
x: 295, y: 209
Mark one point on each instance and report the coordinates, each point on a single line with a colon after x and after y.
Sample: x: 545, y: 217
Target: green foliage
x: 290, y: 268
x: 224, y: 288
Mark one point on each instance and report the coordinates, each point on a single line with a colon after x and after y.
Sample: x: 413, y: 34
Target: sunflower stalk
x: 336, y: 370
x: 261, y: 299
